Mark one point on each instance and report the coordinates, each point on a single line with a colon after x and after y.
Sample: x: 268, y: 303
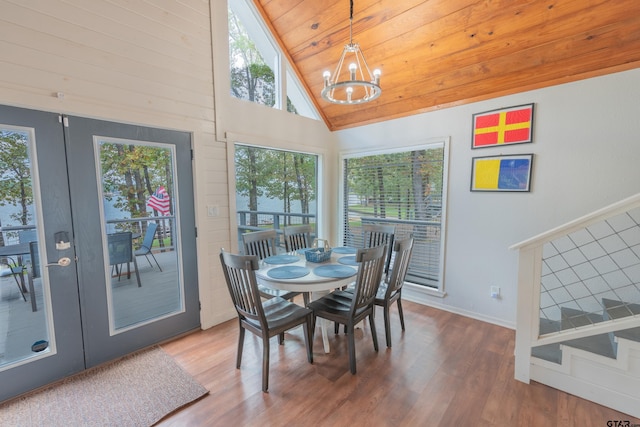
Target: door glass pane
x: 25, y: 325
x: 141, y: 241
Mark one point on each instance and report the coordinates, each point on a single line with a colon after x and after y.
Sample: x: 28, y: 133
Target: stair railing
x: 576, y: 255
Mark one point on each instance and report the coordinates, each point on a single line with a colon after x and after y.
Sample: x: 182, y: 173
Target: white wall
x: 124, y: 61
x: 586, y: 149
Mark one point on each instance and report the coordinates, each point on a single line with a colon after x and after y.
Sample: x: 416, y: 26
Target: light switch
x: 212, y: 210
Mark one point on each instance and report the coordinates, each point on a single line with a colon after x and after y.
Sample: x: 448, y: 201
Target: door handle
x: 62, y: 262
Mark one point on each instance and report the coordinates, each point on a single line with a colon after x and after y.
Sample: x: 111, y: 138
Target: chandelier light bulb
x: 327, y: 77
x: 352, y: 71
x: 376, y: 76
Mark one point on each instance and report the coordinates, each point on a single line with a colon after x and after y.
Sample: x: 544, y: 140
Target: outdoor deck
x: 159, y: 295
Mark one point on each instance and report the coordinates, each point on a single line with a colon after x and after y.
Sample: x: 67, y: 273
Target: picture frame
x: 503, y: 173
x: 504, y: 126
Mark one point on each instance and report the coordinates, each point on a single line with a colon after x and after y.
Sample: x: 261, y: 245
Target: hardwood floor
x: 444, y: 370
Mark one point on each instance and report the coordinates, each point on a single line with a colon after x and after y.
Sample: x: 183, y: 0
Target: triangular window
x: 256, y: 65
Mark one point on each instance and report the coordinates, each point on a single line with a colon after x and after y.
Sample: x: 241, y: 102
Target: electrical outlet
x: 495, y: 292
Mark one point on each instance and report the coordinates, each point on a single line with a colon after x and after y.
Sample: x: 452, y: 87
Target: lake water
x: 111, y: 212
x: 271, y: 205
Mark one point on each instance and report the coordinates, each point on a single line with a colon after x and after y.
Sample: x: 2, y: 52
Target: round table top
x: 308, y: 282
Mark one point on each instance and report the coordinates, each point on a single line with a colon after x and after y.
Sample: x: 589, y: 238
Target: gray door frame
x: 99, y: 345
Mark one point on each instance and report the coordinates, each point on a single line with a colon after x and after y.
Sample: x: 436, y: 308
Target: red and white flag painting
x: 507, y: 126
x: 160, y: 201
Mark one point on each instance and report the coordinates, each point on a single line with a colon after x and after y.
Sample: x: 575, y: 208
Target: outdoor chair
x: 147, y: 244
x: 35, y: 259
x: 298, y: 237
x: 10, y: 267
x: 262, y: 244
x: 265, y: 319
x: 349, y: 309
x: 121, y: 252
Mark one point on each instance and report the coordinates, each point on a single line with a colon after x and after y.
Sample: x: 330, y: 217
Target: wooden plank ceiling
x: 440, y: 53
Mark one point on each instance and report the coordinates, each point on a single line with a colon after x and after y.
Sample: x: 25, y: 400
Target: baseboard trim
x: 420, y: 295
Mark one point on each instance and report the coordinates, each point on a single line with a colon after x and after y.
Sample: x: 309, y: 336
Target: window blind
x: 404, y: 189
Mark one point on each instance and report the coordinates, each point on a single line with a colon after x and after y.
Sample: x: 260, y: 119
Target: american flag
x: 160, y: 201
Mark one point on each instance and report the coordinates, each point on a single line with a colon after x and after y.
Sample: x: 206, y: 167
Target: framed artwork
x: 513, y: 125
x: 502, y: 173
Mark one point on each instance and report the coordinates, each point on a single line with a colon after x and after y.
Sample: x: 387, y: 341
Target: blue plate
x: 288, y: 272
x: 348, y: 260
x: 335, y: 271
x: 281, y: 259
x: 345, y: 250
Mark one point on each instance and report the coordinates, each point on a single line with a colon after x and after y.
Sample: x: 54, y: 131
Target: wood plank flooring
x: 444, y: 370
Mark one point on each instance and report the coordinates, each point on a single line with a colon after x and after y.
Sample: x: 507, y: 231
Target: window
x: 256, y: 65
x: 405, y: 189
x: 274, y: 189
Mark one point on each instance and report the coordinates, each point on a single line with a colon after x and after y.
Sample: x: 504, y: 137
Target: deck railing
x: 424, y: 267
x: 12, y: 234
x: 264, y: 220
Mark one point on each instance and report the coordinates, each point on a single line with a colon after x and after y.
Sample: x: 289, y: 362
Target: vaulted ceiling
x: 440, y: 53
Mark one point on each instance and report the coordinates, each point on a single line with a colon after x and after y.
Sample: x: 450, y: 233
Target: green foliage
x: 131, y: 173
x: 277, y: 174
x: 15, y: 181
x: 251, y: 78
x: 400, y: 185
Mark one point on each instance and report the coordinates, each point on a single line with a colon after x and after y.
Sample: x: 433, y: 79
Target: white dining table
x: 318, y: 279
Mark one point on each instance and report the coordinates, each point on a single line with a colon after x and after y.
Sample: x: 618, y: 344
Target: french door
x: 102, y: 215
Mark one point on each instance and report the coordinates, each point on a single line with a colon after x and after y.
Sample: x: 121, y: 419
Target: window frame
x: 251, y: 141
x: 414, y: 291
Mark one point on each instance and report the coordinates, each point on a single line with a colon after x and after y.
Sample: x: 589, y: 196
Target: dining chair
x: 265, y: 319
x: 11, y: 267
x: 298, y: 237
x: 390, y: 290
x: 121, y: 252
x: 147, y: 244
x: 350, y: 310
x: 262, y: 244
x: 380, y: 234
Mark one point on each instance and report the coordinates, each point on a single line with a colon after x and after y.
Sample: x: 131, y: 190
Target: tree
x: 250, y: 177
x: 15, y: 179
x: 305, y: 169
x: 280, y: 175
x: 251, y: 78
x: 404, y: 179
x: 131, y: 173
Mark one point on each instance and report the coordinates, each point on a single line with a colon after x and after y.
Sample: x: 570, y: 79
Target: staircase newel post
x: 528, y: 308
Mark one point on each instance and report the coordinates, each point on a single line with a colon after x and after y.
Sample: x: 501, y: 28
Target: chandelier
x: 355, y: 84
